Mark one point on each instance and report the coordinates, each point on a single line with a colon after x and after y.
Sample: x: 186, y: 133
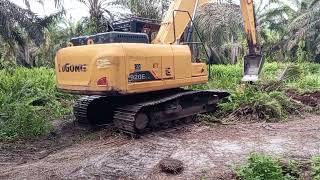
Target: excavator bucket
x: 252, y: 67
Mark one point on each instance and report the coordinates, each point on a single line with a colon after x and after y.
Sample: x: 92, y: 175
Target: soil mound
x: 310, y: 99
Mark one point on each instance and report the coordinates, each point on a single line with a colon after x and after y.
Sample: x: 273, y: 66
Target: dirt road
x: 205, y: 151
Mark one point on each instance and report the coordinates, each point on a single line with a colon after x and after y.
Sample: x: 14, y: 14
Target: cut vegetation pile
x: 28, y: 102
x: 284, y: 89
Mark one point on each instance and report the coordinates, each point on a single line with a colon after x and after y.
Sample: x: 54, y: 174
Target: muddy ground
x: 75, y: 152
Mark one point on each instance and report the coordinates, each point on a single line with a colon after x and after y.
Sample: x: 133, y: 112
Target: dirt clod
x: 171, y: 166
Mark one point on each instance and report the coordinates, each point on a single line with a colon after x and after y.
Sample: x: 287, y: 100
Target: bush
x: 270, y: 71
x: 315, y: 166
x: 309, y: 83
x: 28, y: 101
x: 260, y: 167
x: 23, y: 121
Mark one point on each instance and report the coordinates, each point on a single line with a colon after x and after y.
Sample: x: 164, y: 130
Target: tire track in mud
x: 205, y: 152
x: 135, y: 159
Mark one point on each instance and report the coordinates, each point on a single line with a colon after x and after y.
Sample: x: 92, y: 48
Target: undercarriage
x: 138, y: 114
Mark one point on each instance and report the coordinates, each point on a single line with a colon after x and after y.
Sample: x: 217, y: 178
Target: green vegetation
x: 266, y: 100
x: 263, y: 167
x: 260, y: 167
x: 315, y: 167
x: 29, y: 99
x: 28, y: 102
x: 289, y: 33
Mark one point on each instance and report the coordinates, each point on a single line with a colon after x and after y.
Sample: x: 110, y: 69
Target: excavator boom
x: 253, y: 60
x: 181, y: 11
x: 178, y: 18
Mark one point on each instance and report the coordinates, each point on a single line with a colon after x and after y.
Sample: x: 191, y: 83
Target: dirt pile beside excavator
x: 309, y: 99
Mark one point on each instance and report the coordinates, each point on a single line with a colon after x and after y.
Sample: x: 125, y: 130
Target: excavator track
x: 137, y: 119
x: 93, y: 110
x: 136, y: 115
x: 80, y: 109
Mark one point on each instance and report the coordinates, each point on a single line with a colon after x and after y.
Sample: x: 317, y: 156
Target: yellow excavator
x: 136, y: 84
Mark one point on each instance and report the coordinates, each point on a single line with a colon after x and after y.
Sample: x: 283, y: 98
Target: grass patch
x: 263, y: 167
x: 260, y: 167
x: 315, y: 167
x: 28, y: 101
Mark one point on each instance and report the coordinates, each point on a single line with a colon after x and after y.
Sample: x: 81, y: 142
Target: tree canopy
x: 288, y: 31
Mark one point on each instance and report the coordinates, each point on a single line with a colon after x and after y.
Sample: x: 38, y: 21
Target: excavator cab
x: 252, y: 67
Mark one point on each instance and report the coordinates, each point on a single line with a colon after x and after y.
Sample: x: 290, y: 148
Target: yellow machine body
x: 126, y: 68
x: 138, y: 85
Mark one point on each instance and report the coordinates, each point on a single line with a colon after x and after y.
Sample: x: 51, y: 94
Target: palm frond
x: 219, y: 23
x: 314, y: 3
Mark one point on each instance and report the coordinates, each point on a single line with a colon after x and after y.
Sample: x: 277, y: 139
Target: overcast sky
x: 74, y: 9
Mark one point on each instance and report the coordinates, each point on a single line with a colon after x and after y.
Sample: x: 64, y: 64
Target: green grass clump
x: 28, y: 101
x: 268, y: 106
x: 308, y: 83
x: 270, y: 71
x: 228, y: 77
x: 315, y: 167
x: 260, y: 167
x: 263, y: 167
x: 309, y: 79
x: 222, y: 77
x: 293, y: 72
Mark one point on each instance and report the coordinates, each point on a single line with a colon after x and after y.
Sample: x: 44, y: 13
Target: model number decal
x: 141, y: 76
x: 137, y: 77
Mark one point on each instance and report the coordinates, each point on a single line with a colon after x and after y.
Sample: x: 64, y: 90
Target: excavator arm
x: 178, y: 18
x: 172, y: 28
x: 253, y: 60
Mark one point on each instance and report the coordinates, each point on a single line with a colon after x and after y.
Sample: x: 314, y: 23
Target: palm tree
x: 305, y: 26
x: 153, y: 9
x: 58, y: 3
x: 292, y: 29
x: 221, y: 27
x: 20, y: 29
x: 57, y: 35
x: 100, y: 17
x: 273, y: 22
